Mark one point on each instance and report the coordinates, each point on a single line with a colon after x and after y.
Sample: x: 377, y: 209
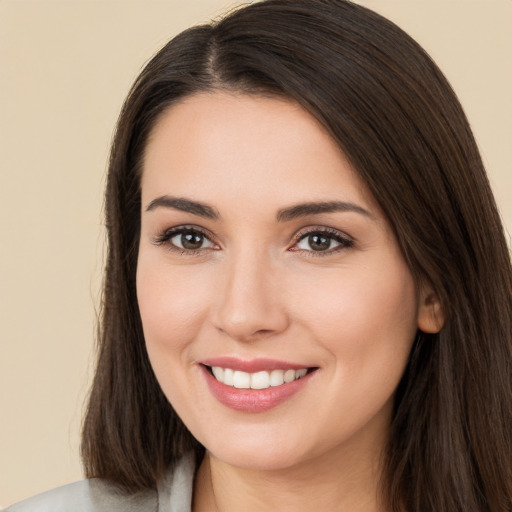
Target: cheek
x: 365, y: 321
x: 172, y: 304
x: 365, y: 317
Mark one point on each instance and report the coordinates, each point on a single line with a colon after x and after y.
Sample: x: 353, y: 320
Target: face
x: 265, y: 261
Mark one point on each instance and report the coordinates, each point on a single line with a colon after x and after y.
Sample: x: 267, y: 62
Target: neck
x: 339, y: 482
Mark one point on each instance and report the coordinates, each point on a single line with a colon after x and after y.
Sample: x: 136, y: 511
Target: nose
x: 250, y: 305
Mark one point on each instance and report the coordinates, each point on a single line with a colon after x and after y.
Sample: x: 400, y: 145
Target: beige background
x: 65, y: 68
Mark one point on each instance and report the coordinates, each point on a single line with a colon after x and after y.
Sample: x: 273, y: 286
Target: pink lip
x: 252, y: 366
x: 253, y: 400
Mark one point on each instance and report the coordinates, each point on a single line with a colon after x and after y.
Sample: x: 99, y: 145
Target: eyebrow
x: 184, y: 205
x: 315, y: 208
x: 283, y: 215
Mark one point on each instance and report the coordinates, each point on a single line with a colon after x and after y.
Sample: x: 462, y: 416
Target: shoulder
x: 88, y: 496
x: 96, y: 495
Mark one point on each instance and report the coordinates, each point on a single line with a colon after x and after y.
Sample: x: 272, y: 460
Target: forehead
x: 221, y: 146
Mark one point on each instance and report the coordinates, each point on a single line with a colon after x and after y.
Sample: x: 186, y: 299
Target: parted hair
x: 396, y: 118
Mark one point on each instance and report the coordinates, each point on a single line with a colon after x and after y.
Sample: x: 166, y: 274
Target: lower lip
x: 253, y: 400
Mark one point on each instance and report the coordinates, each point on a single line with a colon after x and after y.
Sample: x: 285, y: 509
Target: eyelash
x: 343, y: 240
x: 329, y: 233
x: 165, y: 239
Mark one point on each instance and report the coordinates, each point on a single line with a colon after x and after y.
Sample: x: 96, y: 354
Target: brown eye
x: 319, y: 243
x: 191, y: 240
x: 323, y: 241
x: 188, y: 240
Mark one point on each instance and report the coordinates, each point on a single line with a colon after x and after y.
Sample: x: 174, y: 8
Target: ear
x: 431, y: 316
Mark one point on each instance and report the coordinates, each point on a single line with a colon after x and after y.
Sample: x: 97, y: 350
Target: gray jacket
x: 174, y: 494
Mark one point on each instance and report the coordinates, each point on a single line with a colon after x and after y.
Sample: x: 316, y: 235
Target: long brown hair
x: 397, y: 119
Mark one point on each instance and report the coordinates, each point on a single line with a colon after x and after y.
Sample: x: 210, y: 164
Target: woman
x: 307, y: 295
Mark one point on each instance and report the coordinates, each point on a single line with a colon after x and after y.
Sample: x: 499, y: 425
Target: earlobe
x: 431, y: 316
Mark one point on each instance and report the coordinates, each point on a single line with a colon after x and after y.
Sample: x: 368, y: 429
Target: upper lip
x: 252, y: 365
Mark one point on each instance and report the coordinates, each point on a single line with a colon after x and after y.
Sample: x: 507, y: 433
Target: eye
x: 322, y: 241
x: 190, y: 240
x: 185, y: 239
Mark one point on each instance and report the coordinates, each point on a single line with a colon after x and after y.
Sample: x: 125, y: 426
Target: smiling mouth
x: 258, y: 380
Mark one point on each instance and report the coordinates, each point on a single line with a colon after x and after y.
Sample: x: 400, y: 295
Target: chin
x: 261, y: 453
x: 258, y: 460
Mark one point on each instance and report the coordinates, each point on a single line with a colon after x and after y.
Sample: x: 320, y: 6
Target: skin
x: 256, y: 288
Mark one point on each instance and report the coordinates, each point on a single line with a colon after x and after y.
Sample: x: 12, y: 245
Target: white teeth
x: 242, y: 380
x: 300, y: 373
x: 277, y: 377
x: 228, y: 376
x: 218, y: 372
x: 289, y: 375
x: 258, y: 380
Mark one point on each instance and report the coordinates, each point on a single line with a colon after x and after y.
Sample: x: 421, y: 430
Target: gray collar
x: 175, y: 490
x: 96, y: 495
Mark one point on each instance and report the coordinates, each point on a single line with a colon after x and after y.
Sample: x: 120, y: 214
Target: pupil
x: 191, y: 240
x: 319, y: 242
